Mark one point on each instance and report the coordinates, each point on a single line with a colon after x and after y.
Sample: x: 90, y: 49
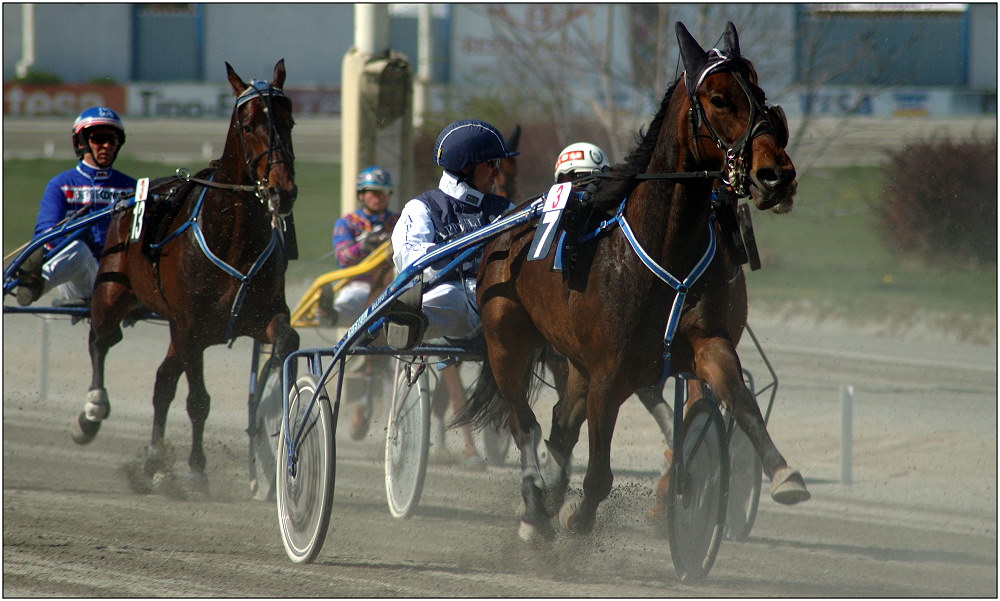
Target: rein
x: 266, y: 92
x: 735, y: 175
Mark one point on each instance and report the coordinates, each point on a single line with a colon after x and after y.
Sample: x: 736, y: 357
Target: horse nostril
x: 768, y: 178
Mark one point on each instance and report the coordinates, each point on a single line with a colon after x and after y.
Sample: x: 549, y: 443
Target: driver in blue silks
x: 98, y: 135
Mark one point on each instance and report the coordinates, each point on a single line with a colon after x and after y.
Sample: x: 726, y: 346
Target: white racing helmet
x: 580, y: 157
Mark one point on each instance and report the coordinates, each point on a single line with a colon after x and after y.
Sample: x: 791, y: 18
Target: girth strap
x: 192, y: 224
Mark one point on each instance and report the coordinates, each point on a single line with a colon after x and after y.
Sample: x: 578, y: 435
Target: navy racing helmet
x: 468, y: 142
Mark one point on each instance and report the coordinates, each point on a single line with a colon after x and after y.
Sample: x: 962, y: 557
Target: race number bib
x: 139, y: 208
x: 555, y: 202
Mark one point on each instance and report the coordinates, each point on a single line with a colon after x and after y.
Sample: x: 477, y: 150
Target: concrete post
x: 846, y: 432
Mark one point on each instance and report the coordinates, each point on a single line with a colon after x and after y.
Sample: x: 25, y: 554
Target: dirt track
x: 920, y: 518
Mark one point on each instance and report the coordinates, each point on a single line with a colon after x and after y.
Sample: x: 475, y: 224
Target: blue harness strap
x: 681, y: 286
x: 192, y: 223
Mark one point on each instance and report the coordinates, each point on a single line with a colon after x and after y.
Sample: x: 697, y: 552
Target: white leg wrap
x: 97, y: 407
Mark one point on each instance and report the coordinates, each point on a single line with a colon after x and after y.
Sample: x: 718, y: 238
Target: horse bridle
x: 736, y: 173
x: 267, y: 93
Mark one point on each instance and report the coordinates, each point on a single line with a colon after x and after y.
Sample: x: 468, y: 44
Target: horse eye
x: 718, y: 102
x: 247, y: 129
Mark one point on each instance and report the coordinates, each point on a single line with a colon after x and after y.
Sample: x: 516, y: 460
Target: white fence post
x: 43, y: 363
x: 846, y: 432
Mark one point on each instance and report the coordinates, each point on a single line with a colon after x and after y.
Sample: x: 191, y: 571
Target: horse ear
x: 514, y: 137
x: 235, y: 81
x: 692, y: 54
x: 732, y: 47
x: 279, y: 75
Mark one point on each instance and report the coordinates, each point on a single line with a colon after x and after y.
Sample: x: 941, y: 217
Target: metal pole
x: 846, y: 432
x: 420, y: 88
x: 27, y: 40
x: 43, y: 363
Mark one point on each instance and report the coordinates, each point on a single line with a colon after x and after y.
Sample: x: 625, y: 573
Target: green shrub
x: 940, y: 201
x: 39, y: 78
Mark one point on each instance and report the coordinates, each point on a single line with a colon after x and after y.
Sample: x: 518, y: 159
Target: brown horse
x: 610, y: 315
x: 206, y: 253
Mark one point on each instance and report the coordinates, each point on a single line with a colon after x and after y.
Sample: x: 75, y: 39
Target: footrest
x: 405, y: 322
x: 71, y: 302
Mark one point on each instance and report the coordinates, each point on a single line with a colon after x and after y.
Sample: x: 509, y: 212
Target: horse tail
x: 485, y: 406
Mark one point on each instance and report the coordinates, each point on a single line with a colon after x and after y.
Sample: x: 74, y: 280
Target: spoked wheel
x: 745, y: 474
x: 305, y: 484
x: 407, y: 438
x: 699, y: 483
x: 265, y: 423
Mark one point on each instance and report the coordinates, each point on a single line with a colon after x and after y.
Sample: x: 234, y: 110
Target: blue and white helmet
x: 374, y: 178
x: 467, y: 142
x: 92, y: 117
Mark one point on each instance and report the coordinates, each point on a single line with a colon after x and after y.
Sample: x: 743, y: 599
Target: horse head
x: 262, y: 122
x: 731, y: 128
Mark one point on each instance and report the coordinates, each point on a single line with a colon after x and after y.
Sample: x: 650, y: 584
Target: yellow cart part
x: 304, y: 315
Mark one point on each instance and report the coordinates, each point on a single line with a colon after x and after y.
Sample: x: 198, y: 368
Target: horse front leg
x: 716, y: 362
x: 602, y: 414
x: 158, y: 459
x: 198, y: 406
x: 110, y: 304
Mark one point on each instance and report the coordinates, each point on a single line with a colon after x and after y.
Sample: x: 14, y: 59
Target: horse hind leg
x: 514, y: 366
x: 716, y: 363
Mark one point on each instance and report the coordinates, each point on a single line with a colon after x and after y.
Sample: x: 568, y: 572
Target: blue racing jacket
x: 79, y: 188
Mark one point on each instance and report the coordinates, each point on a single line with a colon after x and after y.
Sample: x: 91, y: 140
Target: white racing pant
x: 72, y: 272
x: 450, y: 308
x: 351, y: 302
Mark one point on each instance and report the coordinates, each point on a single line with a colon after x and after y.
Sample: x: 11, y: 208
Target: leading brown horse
x: 208, y: 254
x: 610, y: 314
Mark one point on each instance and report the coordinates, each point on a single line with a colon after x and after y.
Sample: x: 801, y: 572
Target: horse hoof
x: 360, y: 422
x: 527, y: 532
x: 164, y: 483
x: 98, y: 407
x: 788, y: 487
x: 195, y: 484
x: 158, y: 459
x: 567, y: 512
x: 261, y: 492
x: 530, y: 533
x: 83, y: 430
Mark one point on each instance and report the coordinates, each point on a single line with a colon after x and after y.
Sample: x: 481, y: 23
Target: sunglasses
x: 495, y: 163
x: 101, y: 139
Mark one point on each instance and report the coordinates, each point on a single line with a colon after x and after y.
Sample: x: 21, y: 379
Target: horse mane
x: 621, y: 180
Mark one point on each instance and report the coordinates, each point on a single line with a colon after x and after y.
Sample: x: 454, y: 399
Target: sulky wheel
x: 699, y: 482
x: 305, y: 485
x: 265, y: 422
x: 407, y: 438
x: 744, y: 485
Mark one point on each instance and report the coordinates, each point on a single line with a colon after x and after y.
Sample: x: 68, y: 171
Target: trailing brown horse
x: 610, y: 312
x: 208, y: 254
